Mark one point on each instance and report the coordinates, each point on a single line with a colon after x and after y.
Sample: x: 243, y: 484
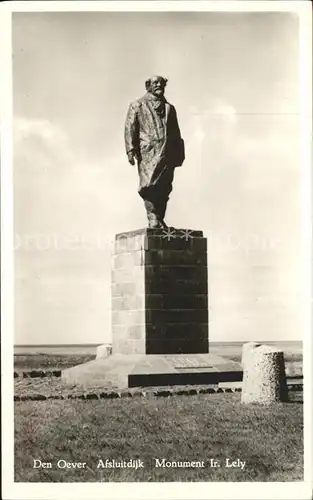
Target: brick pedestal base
x: 159, y: 292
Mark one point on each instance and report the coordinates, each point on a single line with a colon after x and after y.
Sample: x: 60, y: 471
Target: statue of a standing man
x: 152, y: 137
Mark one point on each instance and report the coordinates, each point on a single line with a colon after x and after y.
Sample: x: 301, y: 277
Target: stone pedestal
x: 159, y: 316
x: 159, y: 292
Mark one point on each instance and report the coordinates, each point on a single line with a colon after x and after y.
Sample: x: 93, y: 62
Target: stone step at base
x: 141, y: 370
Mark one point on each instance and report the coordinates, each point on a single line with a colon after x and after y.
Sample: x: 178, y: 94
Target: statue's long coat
x: 155, y: 141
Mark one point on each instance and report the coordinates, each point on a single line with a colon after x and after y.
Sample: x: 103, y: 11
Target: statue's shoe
x: 155, y: 224
x: 163, y: 225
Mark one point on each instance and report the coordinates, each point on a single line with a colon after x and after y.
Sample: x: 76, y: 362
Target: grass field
x: 48, y: 361
x: 198, y: 428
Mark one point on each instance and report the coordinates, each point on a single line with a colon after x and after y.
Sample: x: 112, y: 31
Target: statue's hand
x: 131, y: 158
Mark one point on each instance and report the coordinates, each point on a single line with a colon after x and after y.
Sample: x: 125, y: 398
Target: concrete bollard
x: 264, y: 378
x: 103, y: 351
x: 246, y: 348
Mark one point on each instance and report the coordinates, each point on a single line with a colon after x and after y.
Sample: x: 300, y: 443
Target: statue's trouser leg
x: 163, y: 192
x: 156, y: 197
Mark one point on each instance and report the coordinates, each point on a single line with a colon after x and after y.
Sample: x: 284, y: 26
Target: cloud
x: 224, y: 110
x: 215, y: 119
x: 24, y: 128
x: 55, y: 187
x: 39, y: 145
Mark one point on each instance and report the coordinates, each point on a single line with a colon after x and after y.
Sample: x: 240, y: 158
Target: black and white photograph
x: 157, y: 212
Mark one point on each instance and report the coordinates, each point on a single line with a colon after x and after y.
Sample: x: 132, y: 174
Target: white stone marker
x: 264, y: 378
x: 246, y: 348
x: 103, y: 351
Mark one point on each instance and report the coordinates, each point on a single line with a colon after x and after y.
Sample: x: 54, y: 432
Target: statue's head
x: 156, y: 85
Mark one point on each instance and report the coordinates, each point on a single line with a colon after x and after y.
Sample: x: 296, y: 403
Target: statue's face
x: 157, y: 86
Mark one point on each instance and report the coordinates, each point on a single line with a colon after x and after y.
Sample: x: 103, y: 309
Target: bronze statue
x: 152, y: 137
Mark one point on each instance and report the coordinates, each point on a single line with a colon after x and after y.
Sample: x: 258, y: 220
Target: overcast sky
x: 233, y: 78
